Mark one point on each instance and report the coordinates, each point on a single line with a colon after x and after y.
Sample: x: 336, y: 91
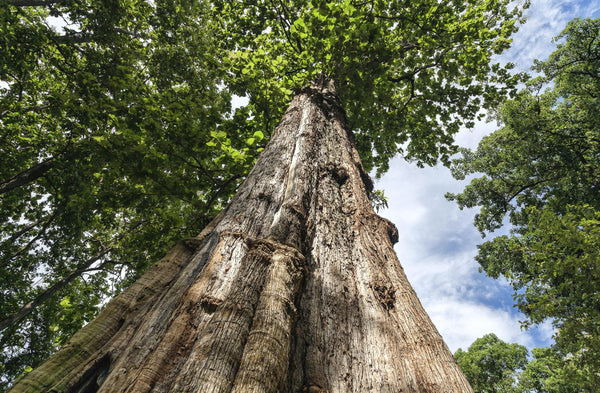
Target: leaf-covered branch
x: 83, y: 267
x: 27, y: 176
x: 32, y: 3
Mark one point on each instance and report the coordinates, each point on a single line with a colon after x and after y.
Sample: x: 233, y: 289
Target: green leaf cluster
x: 491, y: 365
x: 541, y: 171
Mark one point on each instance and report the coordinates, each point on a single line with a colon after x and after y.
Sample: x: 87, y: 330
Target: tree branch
x: 83, y: 37
x: 41, y: 233
x: 32, y: 305
x: 31, y: 3
x: 27, y: 176
x: 24, y: 230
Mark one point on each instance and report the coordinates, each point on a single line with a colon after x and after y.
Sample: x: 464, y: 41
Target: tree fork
x: 294, y: 287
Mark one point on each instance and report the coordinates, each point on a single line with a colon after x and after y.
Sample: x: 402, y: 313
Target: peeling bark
x: 295, y: 287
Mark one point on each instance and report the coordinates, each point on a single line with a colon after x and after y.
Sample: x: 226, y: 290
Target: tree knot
x: 210, y: 303
x: 385, y: 294
x: 338, y: 172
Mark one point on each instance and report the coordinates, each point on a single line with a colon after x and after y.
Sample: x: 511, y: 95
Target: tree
x: 541, y: 169
x: 105, y: 156
x: 549, y: 372
x: 294, y: 286
x: 408, y: 74
x: 491, y: 365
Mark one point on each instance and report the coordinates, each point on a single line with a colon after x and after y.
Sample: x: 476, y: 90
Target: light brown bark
x: 295, y: 287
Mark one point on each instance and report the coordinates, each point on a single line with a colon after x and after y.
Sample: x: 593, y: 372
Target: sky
x: 438, y: 242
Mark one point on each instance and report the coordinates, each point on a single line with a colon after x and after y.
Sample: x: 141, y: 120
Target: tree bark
x: 295, y: 287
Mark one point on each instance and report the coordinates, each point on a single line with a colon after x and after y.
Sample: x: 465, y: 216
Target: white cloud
x: 438, y: 241
x: 450, y: 318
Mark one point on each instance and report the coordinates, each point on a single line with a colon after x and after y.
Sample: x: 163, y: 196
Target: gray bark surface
x: 295, y: 287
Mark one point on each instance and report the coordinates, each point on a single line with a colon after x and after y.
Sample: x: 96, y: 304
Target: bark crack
x: 290, y: 182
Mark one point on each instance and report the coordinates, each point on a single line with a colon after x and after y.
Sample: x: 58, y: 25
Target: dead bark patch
x: 210, y: 303
x: 385, y: 294
x: 339, y: 173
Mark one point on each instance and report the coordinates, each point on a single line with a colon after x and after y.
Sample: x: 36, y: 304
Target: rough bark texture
x: 295, y: 287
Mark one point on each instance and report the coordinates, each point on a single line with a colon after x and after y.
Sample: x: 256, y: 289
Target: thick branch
x: 27, y: 176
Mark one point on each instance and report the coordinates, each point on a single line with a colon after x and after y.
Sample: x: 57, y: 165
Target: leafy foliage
x: 119, y: 136
x: 409, y: 73
x: 549, y: 372
x: 491, y: 365
x: 542, y: 170
x: 106, y: 157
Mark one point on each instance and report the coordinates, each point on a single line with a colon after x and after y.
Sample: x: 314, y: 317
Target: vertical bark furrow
x: 265, y: 361
x: 214, y: 361
x: 153, y: 336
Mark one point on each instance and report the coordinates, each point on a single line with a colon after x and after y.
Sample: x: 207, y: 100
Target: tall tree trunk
x: 295, y: 287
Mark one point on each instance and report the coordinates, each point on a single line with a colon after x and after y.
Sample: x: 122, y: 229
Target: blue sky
x: 438, y: 241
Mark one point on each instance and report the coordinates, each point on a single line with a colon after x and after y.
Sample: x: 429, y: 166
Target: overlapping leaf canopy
x: 118, y: 134
x: 409, y: 73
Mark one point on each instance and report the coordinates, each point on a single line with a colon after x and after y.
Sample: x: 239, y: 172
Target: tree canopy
x: 409, y: 73
x: 119, y: 135
x: 491, y: 365
x: 542, y: 171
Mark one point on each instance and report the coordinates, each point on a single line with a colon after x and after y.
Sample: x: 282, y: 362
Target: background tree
x: 542, y: 170
x: 408, y: 74
x: 491, y: 365
x: 550, y: 372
